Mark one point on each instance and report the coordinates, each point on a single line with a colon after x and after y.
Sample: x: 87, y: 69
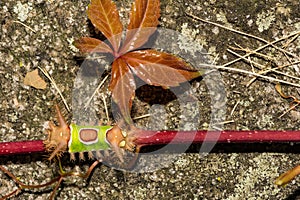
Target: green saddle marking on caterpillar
x: 88, y: 138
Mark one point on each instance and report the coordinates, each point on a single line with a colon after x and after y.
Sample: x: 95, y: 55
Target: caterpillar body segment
x: 88, y: 138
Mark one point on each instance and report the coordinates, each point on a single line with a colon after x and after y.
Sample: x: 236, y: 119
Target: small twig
x: 251, y: 64
x: 99, y: 86
x: 252, y: 36
x: 268, y: 58
x: 290, y: 41
x: 260, y: 48
x: 295, y: 100
x: 286, y: 177
x: 253, y: 73
x: 282, y: 73
x: 246, y: 59
x: 277, y: 72
x: 251, y: 52
x: 242, y: 33
x: 24, y: 25
x: 222, y: 123
x: 56, y: 87
x: 234, y: 107
x: 105, y: 107
x: 275, y: 80
x: 291, y: 108
x: 142, y: 116
x: 266, y: 71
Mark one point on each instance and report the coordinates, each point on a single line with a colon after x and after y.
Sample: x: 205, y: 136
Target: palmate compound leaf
x: 105, y: 17
x: 153, y: 67
x: 143, y: 22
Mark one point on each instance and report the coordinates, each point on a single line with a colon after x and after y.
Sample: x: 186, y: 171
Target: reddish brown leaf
x: 105, y: 17
x: 155, y: 68
x: 89, y: 45
x: 159, y: 68
x: 122, y: 86
x: 143, y: 21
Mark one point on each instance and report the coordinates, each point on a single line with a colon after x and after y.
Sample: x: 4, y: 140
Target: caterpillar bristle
x: 106, y: 154
x: 108, y: 157
x: 91, y: 155
x: 72, y: 157
x: 81, y: 156
x: 98, y: 155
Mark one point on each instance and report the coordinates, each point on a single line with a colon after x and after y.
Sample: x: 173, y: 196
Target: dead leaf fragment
x: 33, y: 79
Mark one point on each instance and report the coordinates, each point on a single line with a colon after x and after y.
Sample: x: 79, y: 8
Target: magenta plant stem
x: 21, y: 147
x: 147, y: 138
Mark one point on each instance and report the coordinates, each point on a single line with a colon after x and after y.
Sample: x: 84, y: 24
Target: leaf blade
x: 92, y: 45
x: 105, y: 17
x: 143, y: 22
x: 160, y: 68
x: 123, y: 87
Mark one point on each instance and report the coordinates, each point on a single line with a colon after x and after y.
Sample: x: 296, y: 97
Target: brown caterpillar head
x: 120, y: 140
x: 58, y: 136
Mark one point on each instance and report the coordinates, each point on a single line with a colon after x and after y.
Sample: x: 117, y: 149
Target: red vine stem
x: 21, y: 147
x: 147, y: 138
